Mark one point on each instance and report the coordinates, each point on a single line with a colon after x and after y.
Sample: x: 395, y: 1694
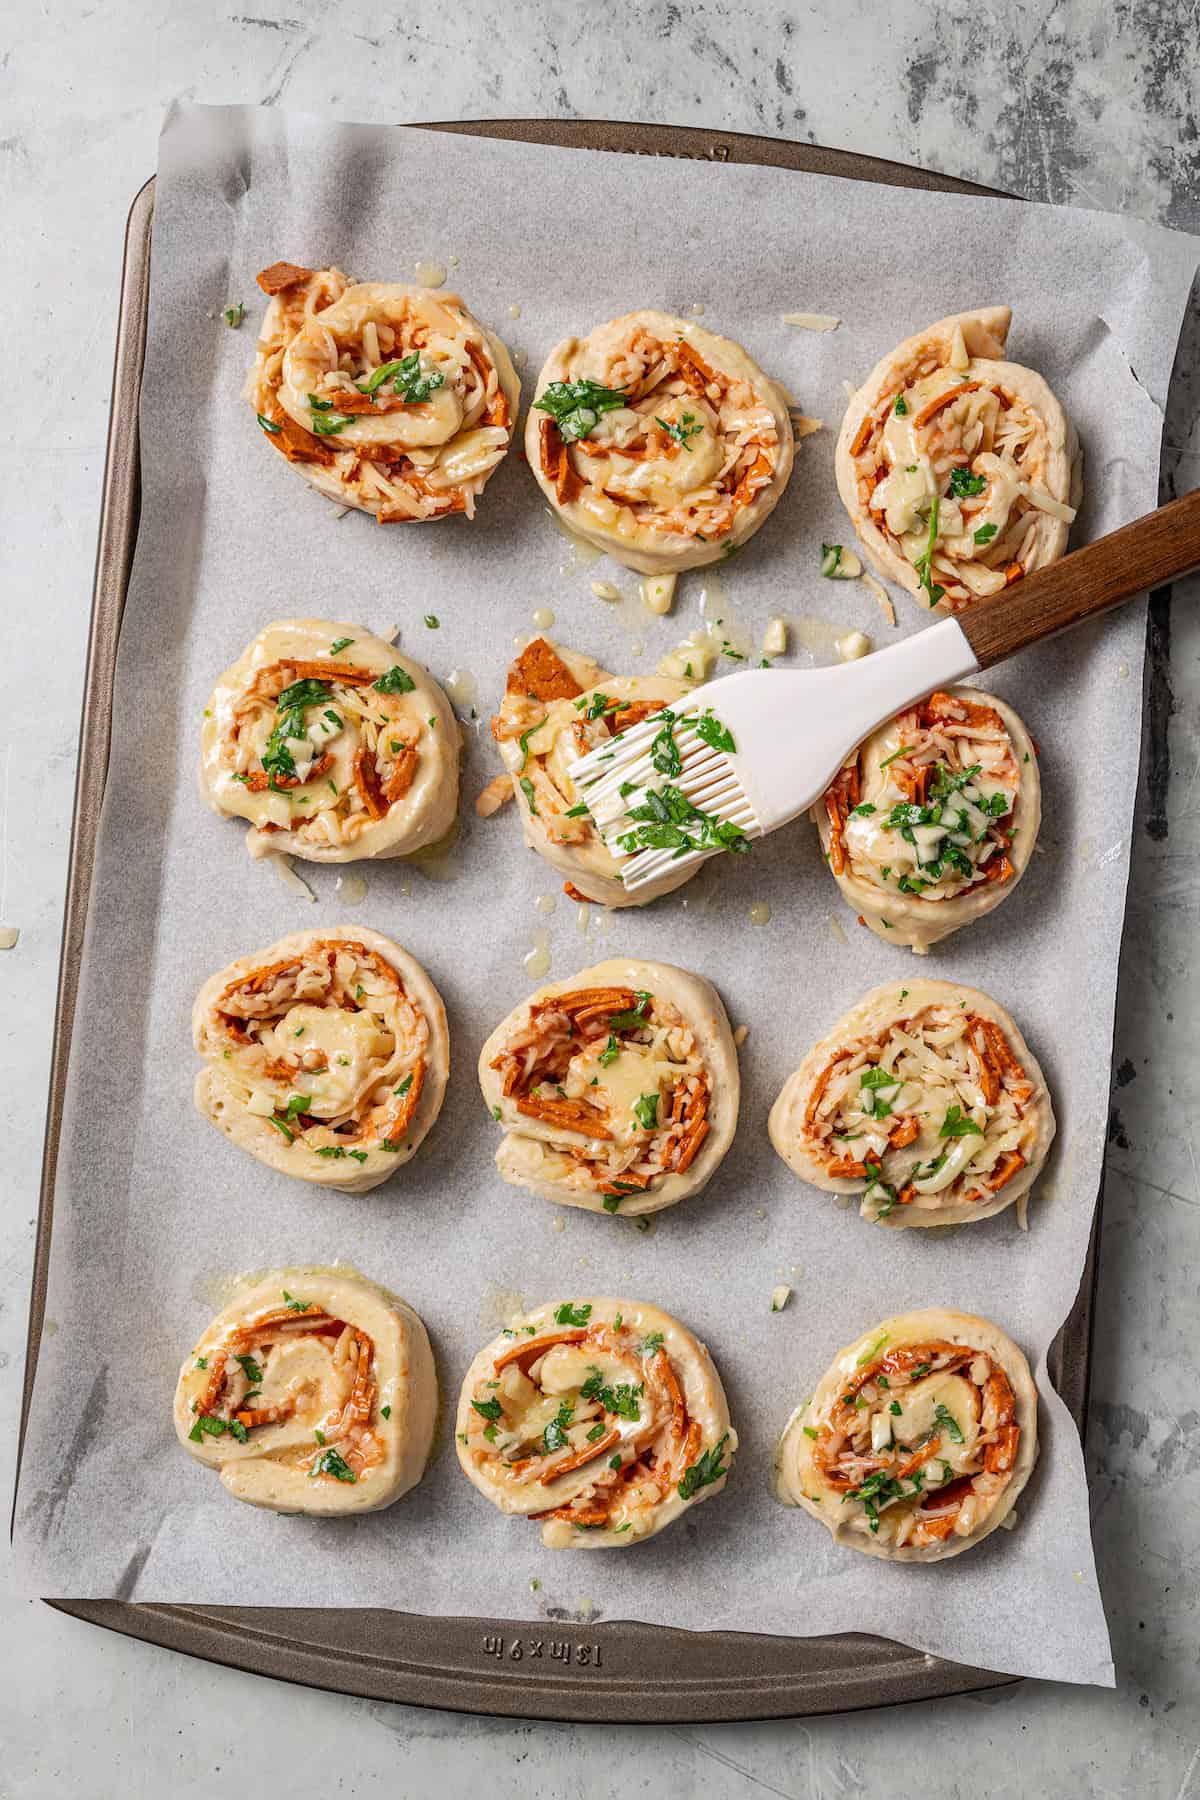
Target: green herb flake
x: 268, y: 426
x: 395, y: 681
x: 710, y: 1468
x: 645, y: 1111
x: 577, y: 406
x: 957, y: 1125
x: 946, y: 1418
x: 432, y: 621
x: 233, y: 315
x: 964, y: 485
x: 717, y: 736
x: 567, y: 1314
x: 683, y: 432
x: 331, y: 1462
x: 526, y: 787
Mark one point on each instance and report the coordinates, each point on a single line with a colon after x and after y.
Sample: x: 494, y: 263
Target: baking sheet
x: 153, y: 1215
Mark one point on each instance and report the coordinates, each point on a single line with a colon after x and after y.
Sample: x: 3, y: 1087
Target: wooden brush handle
x: 1152, y: 550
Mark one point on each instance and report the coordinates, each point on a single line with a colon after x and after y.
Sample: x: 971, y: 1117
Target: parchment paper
x: 155, y: 1211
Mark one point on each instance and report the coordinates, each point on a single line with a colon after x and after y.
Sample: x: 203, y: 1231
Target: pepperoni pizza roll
x: 602, y: 1420
x: 313, y: 1392
x: 557, y: 706
x: 925, y: 1100
x: 390, y: 398
x: 919, y: 1439
x: 617, y: 1090
x: 331, y: 745
x: 960, y: 471
x: 658, y: 441
x: 326, y: 1055
x: 933, y: 820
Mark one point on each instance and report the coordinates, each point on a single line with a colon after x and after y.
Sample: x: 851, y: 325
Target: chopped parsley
x: 875, y: 1491
x: 233, y: 315
x: 294, y: 1305
x: 957, y: 1125
x: 488, y: 1409
x: 946, y: 1418
x: 207, y: 1425
x: 659, y: 822
x: 901, y: 406
x: 717, y: 736
x: 555, y: 1435
x: 649, y: 1345
x: 268, y: 425
x: 985, y: 534
x: 964, y: 485
x: 664, y: 751
x: 526, y: 787
x: 325, y: 422
x: 405, y: 1085
x: 250, y: 1370
x: 610, y: 1052
x: 396, y: 681
x: 924, y: 564
x: 331, y: 1462
x: 621, y: 1400
x: 634, y: 1017
x: 576, y: 406
x: 433, y: 622
x: 301, y: 694
x: 683, y: 432
x: 645, y: 1111
x: 709, y: 1468
x: 567, y: 1314
x: 335, y: 649
x: 524, y: 738
x: 409, y: 380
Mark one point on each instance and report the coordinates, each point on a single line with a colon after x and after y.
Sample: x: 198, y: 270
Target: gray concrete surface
x: 1072, y: 100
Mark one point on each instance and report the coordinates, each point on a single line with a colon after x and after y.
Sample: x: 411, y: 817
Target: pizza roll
x: 960, y: 471
x: 330, y: 745
x: 919, y: 1439
x: 602, y: 1420
x: 926, y: 1100
x: 313, y: 1392
x: 326, y: 1055
x: 557, y: 706
x: 658, y: 441
x: 617, y: 1090
x: 933, y: 820
x: 390, y: 398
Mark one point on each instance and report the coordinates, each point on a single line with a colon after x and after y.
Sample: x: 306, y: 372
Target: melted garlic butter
x: 324, y: 735
x: 430, y: 274
x: 536, y: 959
x: 919, y: 1417
x: 565, y: 1368
x: 635, y: 1072
x: 347, y: 1041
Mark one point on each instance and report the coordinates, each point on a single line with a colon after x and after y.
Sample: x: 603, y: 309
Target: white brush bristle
x: 706, y: 778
